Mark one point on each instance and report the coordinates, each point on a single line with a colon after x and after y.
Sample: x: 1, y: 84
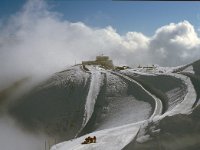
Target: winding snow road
x: 158, y: 103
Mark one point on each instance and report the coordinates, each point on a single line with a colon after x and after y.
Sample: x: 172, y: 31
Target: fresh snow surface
x: 185, y: 106
x: 109, y: 139
x: 115, y: 85
x: 74, y: 74
x: 118, y: 137
x: 158, y: 103
x: 189, y: 69
x: 124, y: 110
x: 160, y: 69
x: 175, y: 96
x: 136, y: 72
x: 95, y: 85
x: 152, y: 71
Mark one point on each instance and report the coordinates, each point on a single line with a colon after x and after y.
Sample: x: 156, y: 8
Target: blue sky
x: 124, y: 16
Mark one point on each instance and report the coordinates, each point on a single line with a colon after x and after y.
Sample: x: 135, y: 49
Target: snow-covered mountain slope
x: 119, y: 102
x: 56, y: 106
x: 115, y: 106
x: 171, y: 90
x: 177, y: 132
x: 175, y: 92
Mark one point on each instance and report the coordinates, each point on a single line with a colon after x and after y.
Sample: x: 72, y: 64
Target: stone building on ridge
x: 103, y: 61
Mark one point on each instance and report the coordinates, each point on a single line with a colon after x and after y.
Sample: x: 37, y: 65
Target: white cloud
x: 37, y: 41
x: 175, y: 44
x: 182, y: 33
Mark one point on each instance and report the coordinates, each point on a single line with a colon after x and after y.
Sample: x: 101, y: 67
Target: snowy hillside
x: 122, y: 108
x: 136, y: 99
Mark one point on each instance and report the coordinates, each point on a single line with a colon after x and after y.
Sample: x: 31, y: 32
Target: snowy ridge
x: 189, y: 69
x: 173, y: 93
x: 122, y: 135
x: 186, y: 105
x: 116, y: 138
x: 95, y: 85
x: 158, y: 103
x: 152, y: 71
x: 120, y: 107
x: 112, y: 86
x: 137, y: 72
x: 175, y: 96
x: 73, y: 74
